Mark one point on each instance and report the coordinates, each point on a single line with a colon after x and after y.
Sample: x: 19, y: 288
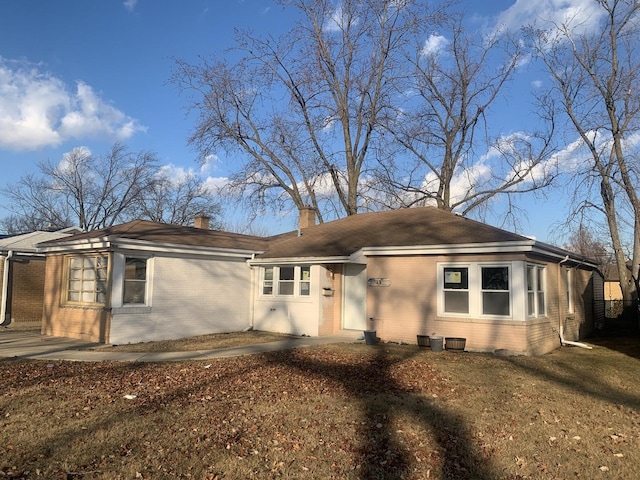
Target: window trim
x: 145, y: 301
x: 569, y: 285
x: 539, y: 280
x: 457, y: 290
x: 273, y: 285
x: 507, y: 291
x: 475, y: 289
x: 67, y: 279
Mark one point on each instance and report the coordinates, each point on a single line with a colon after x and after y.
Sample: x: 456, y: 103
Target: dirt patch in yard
x: 348, y: 411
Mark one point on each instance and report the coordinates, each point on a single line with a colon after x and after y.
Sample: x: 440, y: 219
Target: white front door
x: 354, y: 313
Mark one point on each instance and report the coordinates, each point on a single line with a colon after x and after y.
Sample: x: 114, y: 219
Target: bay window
x: 475, y: 289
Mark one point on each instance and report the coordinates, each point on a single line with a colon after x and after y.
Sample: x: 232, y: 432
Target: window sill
x: 83, y: 306
x: 131, y: 310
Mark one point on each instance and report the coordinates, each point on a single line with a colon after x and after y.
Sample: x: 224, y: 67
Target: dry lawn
x: 347, y: 411
x: 201, y: 342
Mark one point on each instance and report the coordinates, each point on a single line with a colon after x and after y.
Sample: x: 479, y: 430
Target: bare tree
x: 585, y: 242
x: 442, y: 127
x: 595, y: 72
x: 178, y: 200
x: 304, y: 110
x: 83, y: 189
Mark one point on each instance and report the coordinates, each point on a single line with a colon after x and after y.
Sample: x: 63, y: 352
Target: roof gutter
x: 5, y: 291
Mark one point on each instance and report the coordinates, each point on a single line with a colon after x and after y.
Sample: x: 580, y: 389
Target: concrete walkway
x: 17, y: 344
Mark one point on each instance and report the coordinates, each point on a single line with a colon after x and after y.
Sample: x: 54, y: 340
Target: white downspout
x: 5, y: 289
x: 560, y: 326
x: 252, y: 294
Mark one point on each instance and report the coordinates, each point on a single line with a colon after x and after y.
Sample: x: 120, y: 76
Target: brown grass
x: 345, y: 411
x: 201, y: 342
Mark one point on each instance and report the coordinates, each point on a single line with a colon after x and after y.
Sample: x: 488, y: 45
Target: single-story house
x: 22, y: 276
x: 402, y: 273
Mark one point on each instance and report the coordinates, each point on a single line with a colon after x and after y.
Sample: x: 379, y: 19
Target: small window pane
x: 541, y: 305
x: 88, y: 297
x: 134, y: 292
x: 286, y: 288
x: 304, y: 288
x: 287, y: 273
x: 531, y: 306
x: 456, y: 278
x: 495, y: 303
x: 456, y: 301
x: 530, y: 278
x: 305, y: 274
x: 135, y: 269
x: 268, y: 273
x: 495, y: 278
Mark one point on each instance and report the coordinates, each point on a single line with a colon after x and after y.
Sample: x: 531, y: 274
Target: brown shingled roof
x: 171, y: 234
x: 422, y: 226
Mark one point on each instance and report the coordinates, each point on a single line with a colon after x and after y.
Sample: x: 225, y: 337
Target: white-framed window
x: 135, y: 281
x: 456, y: 289
x: 287, y: 280
x: 536, y: 291
x: 475, y: 289
x: 87, y: 279
x: 305, y: 281
x: 569, y: 290
x: 267, y: 281
x: 496, y: 294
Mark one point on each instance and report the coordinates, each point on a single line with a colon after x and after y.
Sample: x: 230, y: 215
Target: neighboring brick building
x: 22, y: 277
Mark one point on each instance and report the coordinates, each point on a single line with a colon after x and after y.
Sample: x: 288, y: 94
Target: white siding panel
x: 190, y: 297
x: 293, y: 315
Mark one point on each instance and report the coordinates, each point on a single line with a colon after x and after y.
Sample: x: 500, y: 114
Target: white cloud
x: 215, y: 184
x: 434, y: 44
x: 37, y: 110
x: 130, y: 5
x: 177, y: 174
x: 210, y: 163
x: 536, y: 84
x: 581, y: 14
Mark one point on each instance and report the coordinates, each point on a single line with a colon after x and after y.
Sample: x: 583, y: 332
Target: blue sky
x: 89, y: 73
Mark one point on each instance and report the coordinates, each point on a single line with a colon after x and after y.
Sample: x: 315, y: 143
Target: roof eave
x: 299, y: 260
x: 146, y: 246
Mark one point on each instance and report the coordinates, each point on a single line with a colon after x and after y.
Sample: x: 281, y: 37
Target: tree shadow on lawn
x: 381, y: 397
x: 585, y: 372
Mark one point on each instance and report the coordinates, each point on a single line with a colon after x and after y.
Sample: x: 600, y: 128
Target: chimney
x: 202, y: 221
x: 307, y: 217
